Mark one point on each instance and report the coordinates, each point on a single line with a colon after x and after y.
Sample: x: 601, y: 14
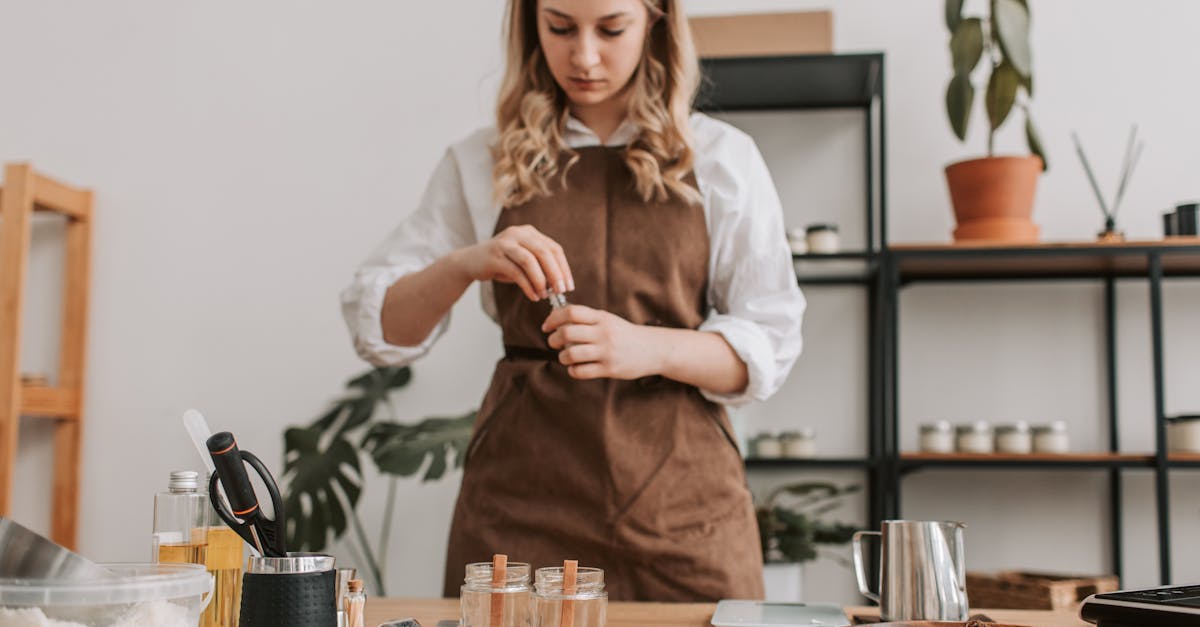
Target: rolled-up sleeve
x: 439, y: 225
x: 756, y: 303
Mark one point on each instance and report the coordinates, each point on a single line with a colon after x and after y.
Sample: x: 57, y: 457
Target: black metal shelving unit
x: 827, y: 82
x: 1153, y: 262
x: 856, y: 82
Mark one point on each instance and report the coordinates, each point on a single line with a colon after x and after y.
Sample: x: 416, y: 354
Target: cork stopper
x: 355, y: 585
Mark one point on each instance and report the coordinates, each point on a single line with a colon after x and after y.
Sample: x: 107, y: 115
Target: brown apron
x: 640, y: 478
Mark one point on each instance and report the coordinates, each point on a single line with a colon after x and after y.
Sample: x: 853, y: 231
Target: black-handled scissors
x: 243, y: 514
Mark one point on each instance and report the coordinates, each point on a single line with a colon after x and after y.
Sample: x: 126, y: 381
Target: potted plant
x: 792, y: 533
x: 323, y: 478
x: 993, y: 196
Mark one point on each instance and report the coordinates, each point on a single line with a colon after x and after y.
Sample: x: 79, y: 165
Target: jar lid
x: 765, y: 435
x: 797, y: 233
x: 1057, y: 426
x: 1018, y: 427
x: 975, y: 427
x: 814, y: 228
x: 940, y: 426
x: 1188, y: 418
x: 803, y: 433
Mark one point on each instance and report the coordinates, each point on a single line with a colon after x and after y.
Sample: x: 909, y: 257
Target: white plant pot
x: 782, y: 582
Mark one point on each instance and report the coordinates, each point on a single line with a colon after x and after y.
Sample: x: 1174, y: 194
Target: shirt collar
x: 578, y: 135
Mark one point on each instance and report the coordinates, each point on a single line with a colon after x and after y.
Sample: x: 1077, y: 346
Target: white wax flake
x: 149, y: 614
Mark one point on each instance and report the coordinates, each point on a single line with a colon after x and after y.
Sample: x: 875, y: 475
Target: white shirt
x: 752, y: 290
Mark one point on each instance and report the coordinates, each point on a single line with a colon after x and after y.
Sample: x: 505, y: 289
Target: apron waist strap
x: 524, y: 353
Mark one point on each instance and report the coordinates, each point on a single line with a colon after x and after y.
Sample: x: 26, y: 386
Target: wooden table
x: 430, y: 611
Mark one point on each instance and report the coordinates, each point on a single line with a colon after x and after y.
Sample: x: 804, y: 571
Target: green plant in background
x: 1002, y: 38
x: 323, y: 479
x: 789, y: 525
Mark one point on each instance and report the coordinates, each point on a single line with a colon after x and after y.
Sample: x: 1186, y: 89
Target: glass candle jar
x: 798, y: 241
x: 1051, y: 438
x: 1016, y: 439
x: 976, y: 438
x: 823, y: 239
x: 586, y: 607
x: 479, y: 598
x: 800, y: 444
x: 767, y: 446
x: 937, y: 437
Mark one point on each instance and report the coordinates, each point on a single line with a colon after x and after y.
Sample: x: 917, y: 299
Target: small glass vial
x: 480, y: 599
x: 354, y: 604
x: 767, y: 446
x: 937, y: 437
x: 976, y: 438
x: 1051, y: 438
x: 1016, y: 438
x: 823, y: 239
x: 799, y: 444
x: 585, y: 608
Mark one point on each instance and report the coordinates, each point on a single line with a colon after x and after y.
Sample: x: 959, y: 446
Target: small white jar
x: 1015, y: 439
x: 937, y: 437
x: 767, y: 446
x: 798, y: 241
x: 1183, y: 434
x: 800, y: 444
x: 976, y: 438
x: 823, y: 239
x: 1051, y: 438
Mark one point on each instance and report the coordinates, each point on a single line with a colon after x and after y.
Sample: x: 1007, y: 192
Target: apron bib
x: 641, y: 478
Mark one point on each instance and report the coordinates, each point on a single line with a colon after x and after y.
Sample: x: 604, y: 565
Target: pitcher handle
x: 860, y: 571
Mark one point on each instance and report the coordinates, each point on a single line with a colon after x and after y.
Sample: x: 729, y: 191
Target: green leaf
x: 966, y: 45
x: 380, y: 382
x: 1011, y: 21
x: 1001, y: 93
x: 401, y: 450
x: 953, y: 14
x: 960, y: 96
x: 318, y: 486
x: 1035, y: 141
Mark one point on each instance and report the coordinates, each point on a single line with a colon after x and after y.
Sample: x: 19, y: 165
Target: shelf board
x: 49, y: 402
x: 915, y: 461
x: 1065, y: 260
x: 846, y: 268
x: 811, y: 81
x: 811, y: 462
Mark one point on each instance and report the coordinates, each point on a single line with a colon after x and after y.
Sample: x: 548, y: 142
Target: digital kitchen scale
x: 766, y: 614
x: 1170, y: 606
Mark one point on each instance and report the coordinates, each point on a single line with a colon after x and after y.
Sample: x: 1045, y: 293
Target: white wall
x: 244, y: 157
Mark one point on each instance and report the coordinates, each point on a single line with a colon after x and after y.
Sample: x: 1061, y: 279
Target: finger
x: 564, y: 266
x: 581, y: 354
x: 571, y: 334
x: 592, y: 370
x: 571, y: 314
x: 512, y: 273
x: 543, y: 247
x: 530, y: 267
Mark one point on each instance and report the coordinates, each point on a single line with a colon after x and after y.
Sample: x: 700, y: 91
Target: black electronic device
x: 1170, y: 606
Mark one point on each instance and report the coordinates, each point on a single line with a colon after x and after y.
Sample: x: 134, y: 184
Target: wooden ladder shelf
x: 24, y: 192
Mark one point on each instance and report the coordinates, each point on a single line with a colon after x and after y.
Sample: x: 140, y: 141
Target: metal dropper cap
x: 184, y: 481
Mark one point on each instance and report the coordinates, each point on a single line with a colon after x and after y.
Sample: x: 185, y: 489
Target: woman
x: 602, y: 437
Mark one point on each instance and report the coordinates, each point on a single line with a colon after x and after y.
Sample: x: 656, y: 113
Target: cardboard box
x: 764, y: 34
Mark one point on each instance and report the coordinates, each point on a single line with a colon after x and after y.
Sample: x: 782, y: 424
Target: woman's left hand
x: 596, y: 344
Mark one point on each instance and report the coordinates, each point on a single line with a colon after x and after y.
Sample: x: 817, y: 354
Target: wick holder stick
x: 499, y: 580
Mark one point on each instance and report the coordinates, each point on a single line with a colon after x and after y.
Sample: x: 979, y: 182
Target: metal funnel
x: 27, y: 555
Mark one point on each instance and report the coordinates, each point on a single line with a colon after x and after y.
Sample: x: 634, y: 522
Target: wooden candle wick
x: 499, y: 580
x: 570, y: 574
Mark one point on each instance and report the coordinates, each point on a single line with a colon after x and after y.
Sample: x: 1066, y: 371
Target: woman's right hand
x: 521, y: 255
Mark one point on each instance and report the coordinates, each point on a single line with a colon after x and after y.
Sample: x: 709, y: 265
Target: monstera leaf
x: 401, y: 449
x: 323, y: 482
x: 789, y: 523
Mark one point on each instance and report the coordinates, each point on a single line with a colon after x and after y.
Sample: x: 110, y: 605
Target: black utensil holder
x: 288, y: 600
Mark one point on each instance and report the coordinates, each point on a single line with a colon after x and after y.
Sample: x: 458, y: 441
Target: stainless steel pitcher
x: 922, y: 572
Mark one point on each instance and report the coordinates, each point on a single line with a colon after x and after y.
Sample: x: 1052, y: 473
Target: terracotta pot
x: 993, y: 198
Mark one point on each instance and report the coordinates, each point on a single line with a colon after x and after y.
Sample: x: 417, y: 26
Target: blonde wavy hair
x: 532, y: 111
